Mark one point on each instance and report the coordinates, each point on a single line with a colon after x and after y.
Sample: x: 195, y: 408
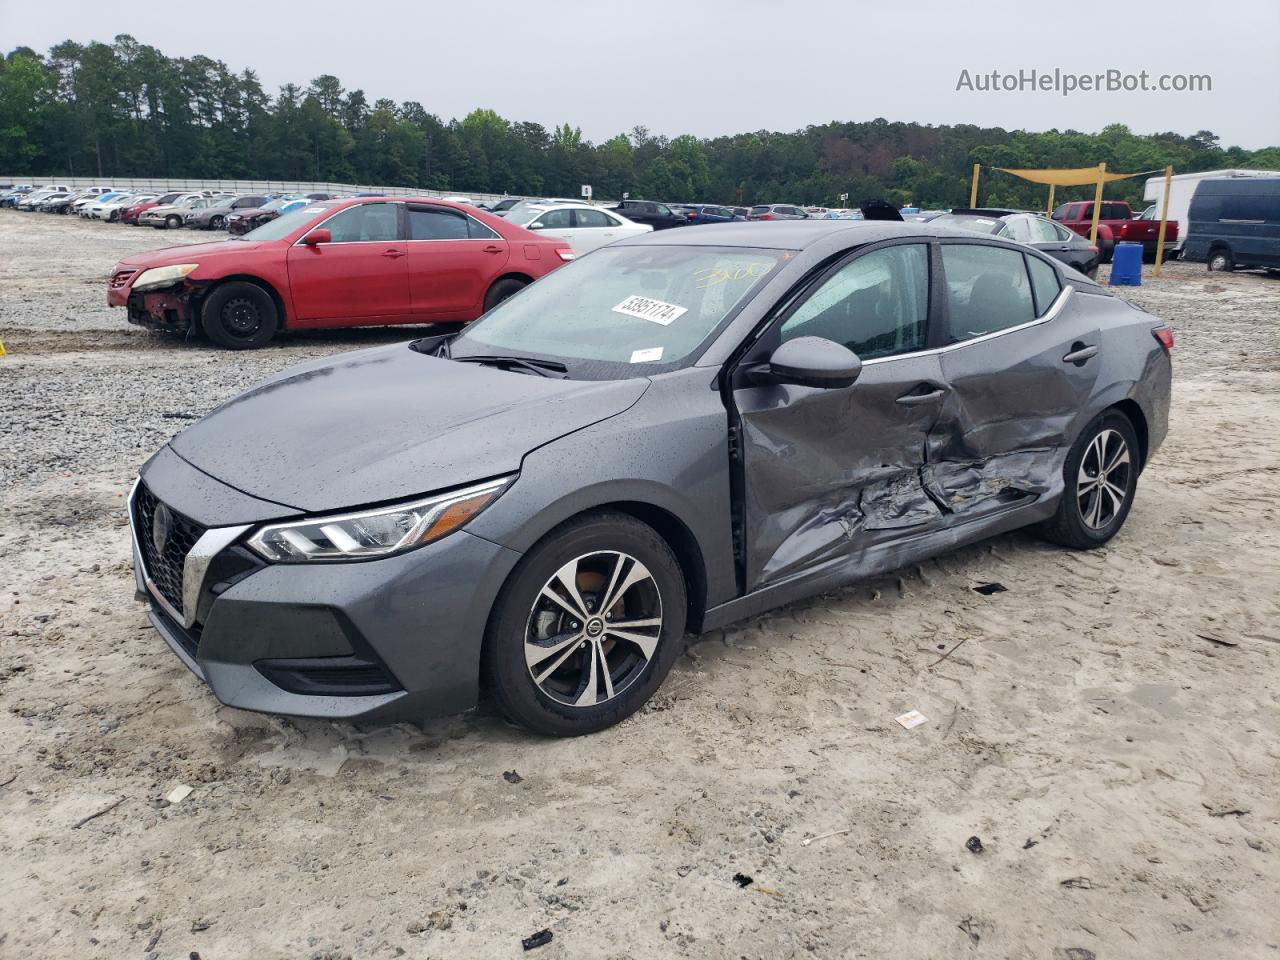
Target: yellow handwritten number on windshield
x: 711, y: 276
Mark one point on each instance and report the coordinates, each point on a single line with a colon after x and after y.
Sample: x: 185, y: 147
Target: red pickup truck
x: 1117, y: 224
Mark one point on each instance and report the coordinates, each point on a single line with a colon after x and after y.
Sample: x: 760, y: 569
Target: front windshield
x: 286, y: 223
x: 623, y: 311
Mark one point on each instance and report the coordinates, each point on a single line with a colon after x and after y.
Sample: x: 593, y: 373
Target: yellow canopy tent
x: 1081, y: 176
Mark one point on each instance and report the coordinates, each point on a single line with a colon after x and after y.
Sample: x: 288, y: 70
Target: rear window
x: 968, y: 221
x: 759, y: 209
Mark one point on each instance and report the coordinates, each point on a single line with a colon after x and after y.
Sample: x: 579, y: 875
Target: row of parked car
x: 198, y: 209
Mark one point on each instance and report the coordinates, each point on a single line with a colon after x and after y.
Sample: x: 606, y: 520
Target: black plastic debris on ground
x: 511, y: 776
x: 539, y: 939
x: 973, y: 845
x: 987, y: 589
x: 742, y: 880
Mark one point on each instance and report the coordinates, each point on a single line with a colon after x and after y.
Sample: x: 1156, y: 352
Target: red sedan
x: 336, y: 263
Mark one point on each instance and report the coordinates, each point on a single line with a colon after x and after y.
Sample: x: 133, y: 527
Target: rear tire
x: 240, y: 316
x: 508, y: 286
x: 552, y: 659
x: 1101, y: 477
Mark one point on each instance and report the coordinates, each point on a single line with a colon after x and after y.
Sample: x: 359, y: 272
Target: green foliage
x: 125, y: 109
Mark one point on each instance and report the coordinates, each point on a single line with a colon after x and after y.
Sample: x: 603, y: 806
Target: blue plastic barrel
x: 1126, y: 265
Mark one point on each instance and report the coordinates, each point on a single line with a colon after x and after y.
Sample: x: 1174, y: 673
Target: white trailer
x: 1183, y: 187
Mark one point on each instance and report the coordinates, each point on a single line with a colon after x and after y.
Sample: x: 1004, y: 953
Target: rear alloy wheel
x: 587, y: 627
x: 1220, y: 259
x: 240, y: 316
x: 501, y: 290
x: 1101, y: 477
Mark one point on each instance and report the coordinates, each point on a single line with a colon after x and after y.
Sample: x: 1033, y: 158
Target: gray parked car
x: 214, y: 216
x: 671, y: 433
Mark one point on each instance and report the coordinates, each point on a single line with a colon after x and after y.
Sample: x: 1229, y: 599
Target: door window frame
x: 767, y: 337
x: 402, y: 225
x: 407, y: 207
x: 761, y: 342
x: 944, y: 313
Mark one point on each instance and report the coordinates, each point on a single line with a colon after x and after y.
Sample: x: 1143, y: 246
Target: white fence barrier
x: 241, y: 186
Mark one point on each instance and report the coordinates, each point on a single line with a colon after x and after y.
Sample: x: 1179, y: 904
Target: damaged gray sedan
x: 671, y: 433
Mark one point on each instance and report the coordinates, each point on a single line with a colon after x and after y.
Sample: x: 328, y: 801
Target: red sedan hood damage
x: 186, y: 253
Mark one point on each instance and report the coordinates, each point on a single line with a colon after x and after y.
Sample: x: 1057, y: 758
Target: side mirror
x: 316, y: 237
x: 815, y: 362
x: 536, y: 226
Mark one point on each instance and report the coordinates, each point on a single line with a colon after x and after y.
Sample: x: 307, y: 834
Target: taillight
x: 766, y: 216
x: 565, y: 254
x: 1124, y: 229
x: 1164, y: 335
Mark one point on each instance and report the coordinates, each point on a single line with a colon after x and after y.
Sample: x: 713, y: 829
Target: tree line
x: 125, y: 109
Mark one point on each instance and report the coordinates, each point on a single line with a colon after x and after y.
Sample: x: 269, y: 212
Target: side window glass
x: 662, y: 209
x: 437, y: 223
x: 875, y: 305
x: 1018, y: 229
x: 557, y: 219
x: 1044, y: 282
x: 1043, y: 231
x: 478, y: 231
x: 987, y: 290
x: 592, y: 218
x: 367, y: 223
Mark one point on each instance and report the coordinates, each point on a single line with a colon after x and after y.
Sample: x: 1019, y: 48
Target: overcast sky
x: 712, y: 67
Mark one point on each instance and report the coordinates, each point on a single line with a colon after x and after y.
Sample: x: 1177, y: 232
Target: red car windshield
x: 285, y: 224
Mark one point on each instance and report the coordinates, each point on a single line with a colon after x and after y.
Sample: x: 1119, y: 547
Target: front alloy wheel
x: 593, y: 629
x: 586, y: 627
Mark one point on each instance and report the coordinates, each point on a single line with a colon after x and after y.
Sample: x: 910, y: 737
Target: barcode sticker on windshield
x: 646, y: 356
x: 646, y: 309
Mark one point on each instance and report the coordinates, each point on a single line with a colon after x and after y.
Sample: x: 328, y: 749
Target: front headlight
x: 163, y: 276
x: 380, y: 532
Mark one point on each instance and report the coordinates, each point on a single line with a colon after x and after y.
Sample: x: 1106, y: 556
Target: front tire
x: 1221, y: 260
x: 172, y: 222
x: 587, y: 626
x: 1101, y: 477
x: 504, y: 288
x: 240, y: 316
x: 217, y: 223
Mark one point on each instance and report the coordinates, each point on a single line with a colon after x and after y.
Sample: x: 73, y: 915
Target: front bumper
x: 391, y: 639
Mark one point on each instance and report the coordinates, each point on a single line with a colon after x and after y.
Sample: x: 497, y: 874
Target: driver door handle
x: 1081, y: 353
x: 914, y: 399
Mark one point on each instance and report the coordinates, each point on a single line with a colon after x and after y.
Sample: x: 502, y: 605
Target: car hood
x: 387, y: 424
x: 189, y: 252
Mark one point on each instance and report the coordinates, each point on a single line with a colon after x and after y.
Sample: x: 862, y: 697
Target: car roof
x: 793, y: 234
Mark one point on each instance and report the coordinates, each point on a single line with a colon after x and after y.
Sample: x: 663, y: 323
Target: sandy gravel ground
x: 1119, y: 766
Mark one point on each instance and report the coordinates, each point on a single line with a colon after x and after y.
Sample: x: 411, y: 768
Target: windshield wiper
x: 543, y: 368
